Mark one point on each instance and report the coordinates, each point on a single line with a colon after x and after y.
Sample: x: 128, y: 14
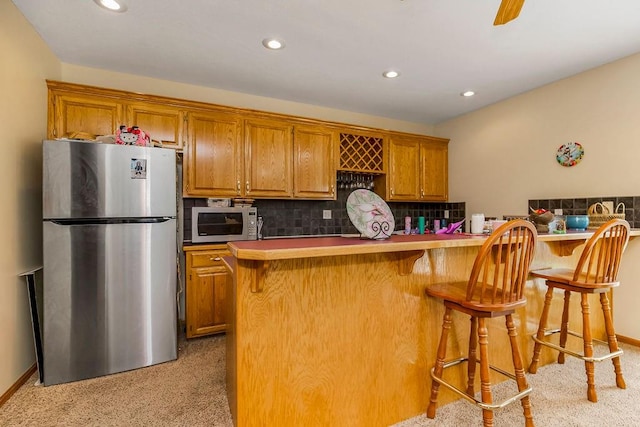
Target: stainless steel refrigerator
x: 109, y: 230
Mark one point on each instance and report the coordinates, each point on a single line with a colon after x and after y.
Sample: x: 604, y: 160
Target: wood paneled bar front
x: 331, y: 331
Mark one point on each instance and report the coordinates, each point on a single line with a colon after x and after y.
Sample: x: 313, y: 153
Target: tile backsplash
x: 579, y: 206
x: 304, y: 217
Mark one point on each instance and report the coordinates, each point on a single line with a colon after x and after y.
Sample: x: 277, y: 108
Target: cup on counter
x: 421, y: 224
x: 477, y: 223
x: 407, y: 225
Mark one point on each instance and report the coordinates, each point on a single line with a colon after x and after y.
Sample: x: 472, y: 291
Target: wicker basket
x: 599, y: 214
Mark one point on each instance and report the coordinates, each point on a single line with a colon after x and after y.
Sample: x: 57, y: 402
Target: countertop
x: 300, y: 247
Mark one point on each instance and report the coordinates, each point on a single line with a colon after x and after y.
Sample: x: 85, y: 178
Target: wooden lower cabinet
x: 205, y: 292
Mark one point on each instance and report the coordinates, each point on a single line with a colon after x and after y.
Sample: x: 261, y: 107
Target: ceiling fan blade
x: 508, y: 11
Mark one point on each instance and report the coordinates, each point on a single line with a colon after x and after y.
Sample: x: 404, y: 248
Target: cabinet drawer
x: 208, y: 259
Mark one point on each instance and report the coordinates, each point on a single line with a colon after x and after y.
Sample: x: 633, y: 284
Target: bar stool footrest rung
x: 549, y: 332
x: 479, y: 403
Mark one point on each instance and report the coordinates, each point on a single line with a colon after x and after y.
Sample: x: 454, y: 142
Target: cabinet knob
x: 246, y: 186
x: 333, y: 191
x: 422, y: 192
x: 215, y: 259
x: 238, y: 186
x: 393, y: 192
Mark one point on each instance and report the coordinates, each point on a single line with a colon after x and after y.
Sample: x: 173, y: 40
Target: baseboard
x: 627, y: 340
x: 23, y: 379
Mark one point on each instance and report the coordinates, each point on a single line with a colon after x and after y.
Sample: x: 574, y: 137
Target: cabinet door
x: 314, y: 168
x: 268, y: 156
x: 404, y: 169
x: 435, y: 176
x: 213, y: 157
x: 75, y: 113
x: 205, y: 294
x: 161, y: 123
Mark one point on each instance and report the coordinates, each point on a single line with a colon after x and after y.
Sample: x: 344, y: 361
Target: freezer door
x: 93, y: 180
x: 109, y: 298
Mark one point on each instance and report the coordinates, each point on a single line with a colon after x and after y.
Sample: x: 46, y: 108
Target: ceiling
x: 337, y: 50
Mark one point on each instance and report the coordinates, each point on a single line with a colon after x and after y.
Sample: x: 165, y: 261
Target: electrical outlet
x: 446, y: 214
x: 557, y: 211
x: 326, y: 214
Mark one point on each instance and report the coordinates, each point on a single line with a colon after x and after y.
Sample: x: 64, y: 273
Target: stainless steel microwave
x: 223, y: 224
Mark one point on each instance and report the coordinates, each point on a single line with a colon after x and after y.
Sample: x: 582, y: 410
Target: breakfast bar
x: 338, y: 330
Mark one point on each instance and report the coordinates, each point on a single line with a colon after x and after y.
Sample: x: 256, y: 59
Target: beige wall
x: 504, y: 155
x: 26, y: 62
x: 109, y: 79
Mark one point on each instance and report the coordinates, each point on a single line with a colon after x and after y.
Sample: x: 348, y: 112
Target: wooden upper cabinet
x: 418, y: 170
x: 162, y: 123
x: 213, y: 156
x: 268, y: 157
x: 232, y: 152
x: 314, y: 166
x: 70, y: 113
x: 435, y: 171
x: 404, y: 169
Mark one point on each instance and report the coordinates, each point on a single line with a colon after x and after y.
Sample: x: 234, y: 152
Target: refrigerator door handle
x: 102, y: 221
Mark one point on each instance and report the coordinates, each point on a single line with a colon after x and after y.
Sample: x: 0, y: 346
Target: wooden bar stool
x: 596, y: 273
x: 494, y: 289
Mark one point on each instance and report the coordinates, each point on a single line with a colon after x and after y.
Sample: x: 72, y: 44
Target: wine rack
x: 361, y: 153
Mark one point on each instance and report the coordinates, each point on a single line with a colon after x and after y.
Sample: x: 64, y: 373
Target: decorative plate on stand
x: 370, y: 214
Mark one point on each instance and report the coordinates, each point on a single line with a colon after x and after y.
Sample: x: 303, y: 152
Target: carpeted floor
x: 191, y: 392
x: 559, y: 399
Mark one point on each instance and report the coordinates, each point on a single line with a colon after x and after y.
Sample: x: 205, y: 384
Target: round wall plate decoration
x: 570, y: 154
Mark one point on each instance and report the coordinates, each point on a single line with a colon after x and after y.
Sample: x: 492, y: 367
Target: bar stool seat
x: 595, y: 273
x: 494, y: 289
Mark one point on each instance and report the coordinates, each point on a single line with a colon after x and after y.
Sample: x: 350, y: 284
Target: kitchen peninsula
x: 335, y: 330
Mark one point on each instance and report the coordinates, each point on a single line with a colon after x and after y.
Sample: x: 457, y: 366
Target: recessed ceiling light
x: 112, y: 5
x: 273, y: 44
x: 467, y: 93
x: 391, y: 74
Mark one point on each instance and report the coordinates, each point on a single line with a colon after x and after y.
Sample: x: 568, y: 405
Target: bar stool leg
x: 533, y: 367
x: 519, y: 370
x: 588, y: 349
x: 485, y: 378
x: 611, y: 339
x: 471, y: 366
x: 438, y: 368
x: 564, y: 325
